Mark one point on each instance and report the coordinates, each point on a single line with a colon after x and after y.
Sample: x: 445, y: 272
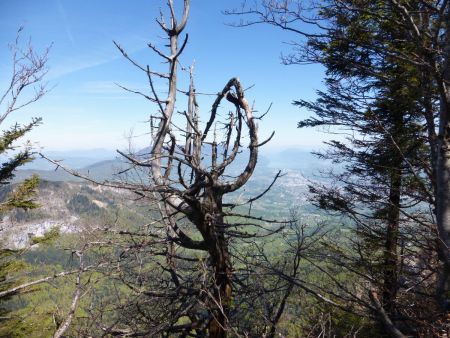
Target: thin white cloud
x: 110, y: 88
x: 102, y: 55
x: 67, y: 28
x: 75, y: 65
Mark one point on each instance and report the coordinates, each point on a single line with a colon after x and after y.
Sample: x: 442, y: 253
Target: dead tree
x: 189, y: 167
x: 180, y: 267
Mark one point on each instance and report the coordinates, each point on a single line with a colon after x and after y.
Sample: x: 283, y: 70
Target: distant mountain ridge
x: 104, y: 164
x: 74, y: 159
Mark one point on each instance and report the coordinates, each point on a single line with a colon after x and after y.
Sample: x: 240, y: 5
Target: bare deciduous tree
x: 189, y: 168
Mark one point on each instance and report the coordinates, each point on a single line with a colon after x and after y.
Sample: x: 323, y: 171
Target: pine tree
x: 384, y: 187
x: 25, y: 87
x: 387, y: 93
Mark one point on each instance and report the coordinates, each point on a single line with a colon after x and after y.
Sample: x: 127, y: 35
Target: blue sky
x: 85, y: 109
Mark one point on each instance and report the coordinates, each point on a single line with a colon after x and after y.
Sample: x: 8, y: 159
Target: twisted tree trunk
x: 213, y: 229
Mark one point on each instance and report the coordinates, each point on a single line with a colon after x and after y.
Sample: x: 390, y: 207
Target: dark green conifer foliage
x: 25, y: 87
x: 388, y: 95
x: 385, y: 187
x: 21, y: 196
